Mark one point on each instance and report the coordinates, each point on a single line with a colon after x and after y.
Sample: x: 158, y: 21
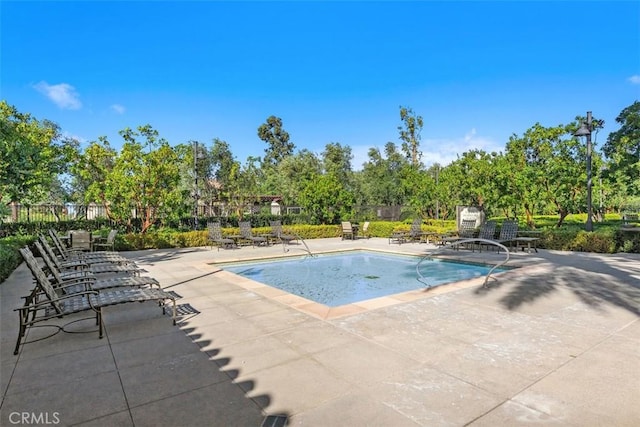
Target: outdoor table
x: 235, y: 237
x: 431, y: 236
x: 80, y: 239
x: 66, y: 239
x: 630, y: 229
x: 398, y: 237
x: 528, y: 239
x: 269, y: 236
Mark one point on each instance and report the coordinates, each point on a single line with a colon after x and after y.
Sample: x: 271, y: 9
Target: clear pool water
x: 348, y: 277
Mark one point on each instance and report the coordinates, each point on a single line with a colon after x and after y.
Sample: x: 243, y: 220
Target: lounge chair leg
x: 99, y: 318
x: 23, y: 328
x: 20, y: 335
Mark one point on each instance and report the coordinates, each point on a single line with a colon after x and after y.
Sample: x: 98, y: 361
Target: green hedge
x: 608, y: 237
x: 10, y: 257
x: 605, y: 239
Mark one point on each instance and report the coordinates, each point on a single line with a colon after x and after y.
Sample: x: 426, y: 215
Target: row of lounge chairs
x: 247, y: 236
x: 69, y: 282
x: 508, y: 236
x: 415, y: 234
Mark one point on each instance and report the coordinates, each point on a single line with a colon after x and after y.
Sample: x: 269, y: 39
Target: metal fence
x: 54, y: 212
x: 74, y: 212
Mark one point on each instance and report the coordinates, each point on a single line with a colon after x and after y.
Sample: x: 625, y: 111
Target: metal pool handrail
x: 462, y: 242
x: 284, y: 246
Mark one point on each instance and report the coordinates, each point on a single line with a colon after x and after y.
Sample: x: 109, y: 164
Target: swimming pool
x: 347, y: 277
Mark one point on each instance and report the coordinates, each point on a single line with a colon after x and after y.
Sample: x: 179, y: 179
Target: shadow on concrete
x: 153, y: 256
x: 260, y: 401
x: 596, y: 280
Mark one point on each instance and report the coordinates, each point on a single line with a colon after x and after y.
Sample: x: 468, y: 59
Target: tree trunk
x: 563, y: 214
x: 529, y: 216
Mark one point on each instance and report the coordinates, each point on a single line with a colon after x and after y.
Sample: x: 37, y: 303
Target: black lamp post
x: 437, y: 200
x: 601, y: 212
x: 585, y: 130
x: 196, y: 192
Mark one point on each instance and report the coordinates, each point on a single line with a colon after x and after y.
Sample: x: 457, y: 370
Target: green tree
x: 505, y: 180
x: 476, y: 174
x: 549, y: 169
x: 337, y: 161
x: 622, y: 150
x: 243, y: 187
x: 222, y: 166
x: 326, y: 200
x: 450, y: 182
x: 277, y: 139
x: 383, y: 176
x: 410, y: 134
x: 144, y: 178
x: 33, y: 156
x: 93, y: 166
x: 292, y: 175
x: 419, y: 187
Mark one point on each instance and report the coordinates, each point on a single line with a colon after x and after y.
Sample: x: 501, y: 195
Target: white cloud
x: 67, y: 135
x: 446, y: 150
x: 118, y: 109
x: 360, y: 155
x: 635, y: 79
x: 442, y: 151
x: 63, y: 95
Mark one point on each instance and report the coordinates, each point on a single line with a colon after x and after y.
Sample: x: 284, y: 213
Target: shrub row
x: 10, y: 257
x: 606, y: 239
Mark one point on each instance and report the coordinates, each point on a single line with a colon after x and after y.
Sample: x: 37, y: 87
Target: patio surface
x: 556, y: 342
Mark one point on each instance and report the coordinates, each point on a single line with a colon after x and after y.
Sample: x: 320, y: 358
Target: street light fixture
x: 601, y: 212
x: 585, y: 130
x: 196, y: 190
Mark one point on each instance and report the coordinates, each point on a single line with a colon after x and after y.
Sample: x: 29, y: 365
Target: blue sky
x: 476, y: 71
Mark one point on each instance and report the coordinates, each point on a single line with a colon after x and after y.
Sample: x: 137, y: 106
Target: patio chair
x: 105, y: 243
x: 365, y: 230
x: 81, y: 240
x: 97, y: 283
x: 65, y: 253
x: 467, y: 231
x: 415, y: 233
x: 487, y: 232
x: 247, y: 234
x: 74, y: 268
x: 508, y: 233
x: 348, y: 231
x: 216, y: 239
x: 45, y: 303
x: 73, y: 262
x: 276, y: 233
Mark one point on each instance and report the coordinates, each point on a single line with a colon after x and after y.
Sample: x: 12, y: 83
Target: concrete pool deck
x: 556, y: 342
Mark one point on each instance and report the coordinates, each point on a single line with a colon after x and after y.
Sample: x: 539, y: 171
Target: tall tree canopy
x: 541, y: 171
x: 32, y: 156
x: 410, y: 135
x: 337, y: 161
x: 547, y: 167
x: 623, y: 151
x: 143, y: 178
x: 277, y: 140
x: 383, y: 176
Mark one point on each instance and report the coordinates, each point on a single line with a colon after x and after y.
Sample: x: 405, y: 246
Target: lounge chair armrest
x: 87, y: 286
x: 87, y: 278
x: 37, y: 304
x: 77, y: 264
